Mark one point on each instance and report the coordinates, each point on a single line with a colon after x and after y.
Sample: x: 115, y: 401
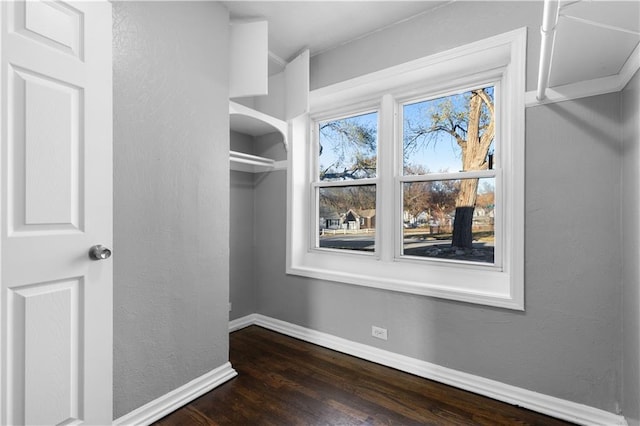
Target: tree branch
x: 490, y: 130
x: 487, y: 100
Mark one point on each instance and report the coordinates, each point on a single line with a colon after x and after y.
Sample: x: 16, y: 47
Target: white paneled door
x: 56, y: 203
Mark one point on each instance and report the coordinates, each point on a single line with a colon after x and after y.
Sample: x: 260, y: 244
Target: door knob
x: 99, y: 252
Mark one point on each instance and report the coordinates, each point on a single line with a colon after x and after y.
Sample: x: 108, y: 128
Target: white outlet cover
x: 379, y: 332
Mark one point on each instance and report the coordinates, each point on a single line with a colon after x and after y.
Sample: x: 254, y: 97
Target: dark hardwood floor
x: 283, y: 381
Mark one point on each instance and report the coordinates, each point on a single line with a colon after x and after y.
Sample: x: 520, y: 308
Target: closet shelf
x: 242, y: 162
x: 255, y: 123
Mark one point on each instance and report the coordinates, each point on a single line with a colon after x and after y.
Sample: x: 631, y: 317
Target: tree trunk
x: 462, y: 235
x: 465, y: 204
x: 474, y: 155
x: 468, y: 193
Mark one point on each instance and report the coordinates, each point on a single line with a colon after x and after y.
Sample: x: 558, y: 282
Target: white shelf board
x: 255, y: 123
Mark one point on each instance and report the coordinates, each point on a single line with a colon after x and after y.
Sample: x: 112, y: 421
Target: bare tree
x: 473, y: 129
x: 442, y: 196
x: 354, y: 148
x: 416, y: 198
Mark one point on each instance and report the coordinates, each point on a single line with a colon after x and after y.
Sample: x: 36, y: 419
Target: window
x: 412, y: 178
x: 346, y: 197
x: 448, y: 179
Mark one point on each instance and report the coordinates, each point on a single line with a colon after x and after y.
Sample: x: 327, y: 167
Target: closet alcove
x: 264, y: 96
x: 257, y: 158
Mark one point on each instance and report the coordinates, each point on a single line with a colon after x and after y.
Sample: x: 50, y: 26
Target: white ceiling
x: 593, y: 38
x: 322, y: 25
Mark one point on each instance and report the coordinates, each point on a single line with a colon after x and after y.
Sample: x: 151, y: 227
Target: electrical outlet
x: 379, y: 332
x: 229, y: 306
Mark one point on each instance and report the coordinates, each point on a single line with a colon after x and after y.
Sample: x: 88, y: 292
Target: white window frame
x: 500, y: 60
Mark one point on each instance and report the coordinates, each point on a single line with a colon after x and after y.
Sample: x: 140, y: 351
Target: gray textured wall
x: 242, y: 286
x: 568, y: 343
x: 631, y: 253
x: 171, y: 196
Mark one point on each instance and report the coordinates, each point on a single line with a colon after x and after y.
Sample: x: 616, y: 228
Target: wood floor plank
x: 283, y: 381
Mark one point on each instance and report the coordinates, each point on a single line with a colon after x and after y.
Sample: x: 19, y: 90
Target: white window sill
x: 467, y: 283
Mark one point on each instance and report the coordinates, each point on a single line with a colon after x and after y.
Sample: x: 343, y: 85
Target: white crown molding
x: 545, y: 404
x: 169, y: 402
x: 583, y: 89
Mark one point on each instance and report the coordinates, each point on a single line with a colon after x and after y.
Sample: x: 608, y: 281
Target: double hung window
x: 412, y: 178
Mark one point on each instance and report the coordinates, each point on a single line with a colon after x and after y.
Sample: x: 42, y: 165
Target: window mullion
x: 386, y: 200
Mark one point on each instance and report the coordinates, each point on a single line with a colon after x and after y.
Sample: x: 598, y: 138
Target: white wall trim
x: 243, y: 322
x: 160, y: 407
x: 583, y: 89
x: 549, y: 405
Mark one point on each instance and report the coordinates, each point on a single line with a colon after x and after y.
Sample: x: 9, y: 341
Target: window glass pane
x: 449, y: 134
x: 440, y: 220
x: 347, y: 217
x: 348, y: 147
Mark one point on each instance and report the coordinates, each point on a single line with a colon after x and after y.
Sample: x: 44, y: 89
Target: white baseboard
x: 549, y: 405
x: 243, y: 322
x: 160, y: 407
